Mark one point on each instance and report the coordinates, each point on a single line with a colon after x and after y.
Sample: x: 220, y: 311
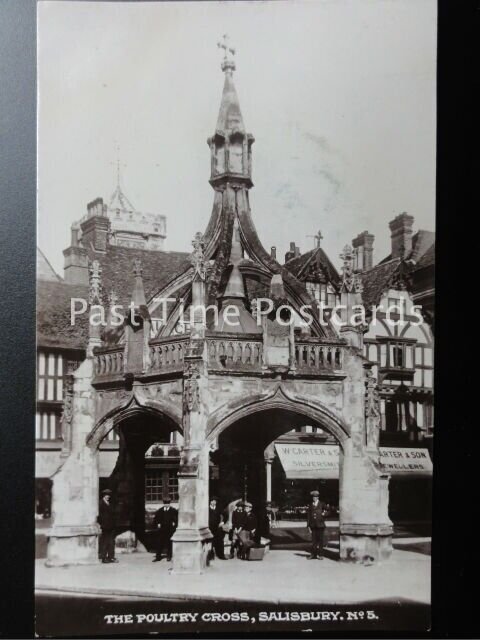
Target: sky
x: 340, y: 96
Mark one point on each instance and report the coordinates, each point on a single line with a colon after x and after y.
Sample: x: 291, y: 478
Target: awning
x: 318, y: 461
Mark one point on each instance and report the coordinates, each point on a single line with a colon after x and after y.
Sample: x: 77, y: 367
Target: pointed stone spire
x: 111, y: 328
x: 230, y: 116
x: 235, y: 287
x: 138, y: 294
x: 236, y: 252
x: 95, y: 297
x: 230, y: 146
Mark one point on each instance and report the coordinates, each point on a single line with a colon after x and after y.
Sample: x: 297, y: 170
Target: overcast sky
x: 340, y: 97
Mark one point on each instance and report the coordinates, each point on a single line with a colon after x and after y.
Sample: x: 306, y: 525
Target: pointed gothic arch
x: 281, y: 399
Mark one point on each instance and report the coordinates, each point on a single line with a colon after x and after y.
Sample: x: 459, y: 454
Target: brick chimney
x: 294, y: 252
x: 75, y: 260
x: 96, y: 226
x: 273, y: 252
x: 401, y: 233
x: 363, y: 251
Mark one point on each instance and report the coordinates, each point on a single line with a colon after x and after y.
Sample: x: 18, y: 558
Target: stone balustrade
x: 167, y: 354
x: 109, y: 362
x: 231, y: 353
x: 235, y: 353
x: 317, y: 356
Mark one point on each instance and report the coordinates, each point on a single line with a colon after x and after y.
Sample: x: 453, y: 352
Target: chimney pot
x: 401, y: 235
x: 273, y: 252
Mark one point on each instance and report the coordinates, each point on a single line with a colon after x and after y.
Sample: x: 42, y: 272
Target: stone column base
x: 365, y: 544
x: 72, y: 545
x: 190, y: 550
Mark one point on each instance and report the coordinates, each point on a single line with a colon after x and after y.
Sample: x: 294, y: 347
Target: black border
x: 455, y: 555
x: 17, y: 319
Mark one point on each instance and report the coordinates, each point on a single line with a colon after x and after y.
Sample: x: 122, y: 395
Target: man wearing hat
x: 106, y: 520
x: 238, y: 517
x: 165, y: 520
x: 215, y: 522
x: 248, y: 531
x: 316, y: 525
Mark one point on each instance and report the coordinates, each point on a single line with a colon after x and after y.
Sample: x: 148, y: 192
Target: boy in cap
x: 316, y: 525
x: 165, y: 520
x: 106, y: 520
x: 247, y: 534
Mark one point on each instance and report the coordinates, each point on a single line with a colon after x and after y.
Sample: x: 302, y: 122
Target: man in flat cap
x: 215, y: 524
x: 165, y: 520
x: 106, y: 520
x: 316, y: 525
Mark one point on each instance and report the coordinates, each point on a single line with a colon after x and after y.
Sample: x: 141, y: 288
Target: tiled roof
x: 376, y: 281
x: 297, y: 265
x: 421, y: 242
x: 159, y: 268
x: 54, y: 298
x: 427, y: 259
x: 53, y: 315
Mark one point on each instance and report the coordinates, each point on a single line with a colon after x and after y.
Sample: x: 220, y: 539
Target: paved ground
x: 284, y: 576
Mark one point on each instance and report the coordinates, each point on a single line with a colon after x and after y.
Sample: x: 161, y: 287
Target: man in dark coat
x: 238, y: 517
x: 215, y: 522
x: 316, y: 525
x: 165, y: 520
x: 106, y: 520
x: 248, y: 532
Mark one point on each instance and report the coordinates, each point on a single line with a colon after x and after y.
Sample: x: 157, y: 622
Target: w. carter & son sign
x: 313, y: 461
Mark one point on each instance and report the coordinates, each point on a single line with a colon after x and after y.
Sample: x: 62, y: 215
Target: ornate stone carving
x: 191, y: 390
x: 198, y: 259
x: 72, y: 365
x: 95, y: 289
x: 67, y: 413
x: 372, y: 399
x: 347, y: 268
x: 372, y: 410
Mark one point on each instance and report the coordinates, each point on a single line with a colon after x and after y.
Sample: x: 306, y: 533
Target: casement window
x: 48, y: 426
x: 49, y: 377
x: 161, y: 484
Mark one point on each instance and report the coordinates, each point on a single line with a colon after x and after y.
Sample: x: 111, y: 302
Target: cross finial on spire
x: 228, y: 63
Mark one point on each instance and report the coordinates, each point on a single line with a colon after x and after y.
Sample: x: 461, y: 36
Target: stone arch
x: 164, y: 410
x: 232, y: 412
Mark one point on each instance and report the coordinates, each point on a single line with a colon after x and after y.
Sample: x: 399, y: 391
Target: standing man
x: 215, y: 522
x: 316, y: 525
x: 248, y: 532
x: 165, y: 520
x: 106, y: 520
x: 238, y: 517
